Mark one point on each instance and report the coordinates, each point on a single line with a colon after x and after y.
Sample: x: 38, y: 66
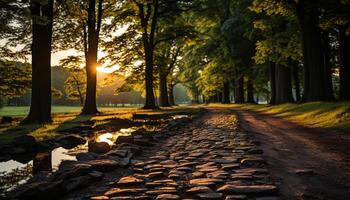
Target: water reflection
x: 17, y: 176
x: 22, y: 168
x: 179, y: 116
x: 110, y: 138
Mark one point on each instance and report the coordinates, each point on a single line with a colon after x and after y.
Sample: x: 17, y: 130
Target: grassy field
x: 67, y: 117
x: 23, y: 110
x: 333, y: 115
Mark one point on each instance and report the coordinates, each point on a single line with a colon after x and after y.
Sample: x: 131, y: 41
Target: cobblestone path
x: 207, y: 159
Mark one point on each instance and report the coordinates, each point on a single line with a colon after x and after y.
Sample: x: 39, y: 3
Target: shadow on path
x: 309, y: 163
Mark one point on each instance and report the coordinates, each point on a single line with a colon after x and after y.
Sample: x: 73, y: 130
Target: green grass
x: 23, y: 110
x: 68, y: 117
x: 332, y: 115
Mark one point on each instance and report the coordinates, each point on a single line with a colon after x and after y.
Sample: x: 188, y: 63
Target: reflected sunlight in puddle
x: 110, y: 138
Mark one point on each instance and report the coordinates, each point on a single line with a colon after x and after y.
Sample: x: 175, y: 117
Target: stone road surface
x: 207, y: 159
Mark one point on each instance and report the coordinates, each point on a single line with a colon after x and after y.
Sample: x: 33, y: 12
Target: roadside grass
x: 331, y: 115
x: 65, y: 120
x: 16, y: 111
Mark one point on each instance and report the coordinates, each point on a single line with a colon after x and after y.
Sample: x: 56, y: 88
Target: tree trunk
x: 226, y: 92
x: 283, y: 85
x: 296, y: 82
x: 163, y: 90
x: 250, y: 91
x: 40, y: 108
x: 90, y: 107
x: 239, y: 87
x: 314, y: 72
x: 150, y: 99
x: 328, y: 65
x: 171, y: 95
x: 219, y: 97
x: 344, y: 59
x: 272, y: 72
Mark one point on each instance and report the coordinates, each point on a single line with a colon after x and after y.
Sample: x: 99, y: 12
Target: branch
x: 172, y: 64
x: 99, y: 18
x: 164, y: 40
x: 154, y: 23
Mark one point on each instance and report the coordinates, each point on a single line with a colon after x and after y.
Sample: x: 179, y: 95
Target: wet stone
x: 253, y: 162
x: 129, y: 180
x: 122, y: 198
x: 205, y: 181
x: 168, y: 197
x: 208, y: 169
x: 197, y: 174
x: 211, y: 195
x: 217, y: 176
x: 118, y: 191
x: 177, y: 172
x: 184, y: 169
x: 228, y: 167
x: 162, y: 190
x: 157, y: 169
x: 159, y: 183
x: 156, y: 175
x: 236, y: 197
x: 248, y: 189
x: 99, y: 198
x: 199, y: 189
x: 153, y: 166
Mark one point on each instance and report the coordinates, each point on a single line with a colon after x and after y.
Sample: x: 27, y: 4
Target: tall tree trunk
x: 272, y: 73
x: 344, y: 59
x: 150, y: 99
x: 239, y: 87
x: 219, y: 97
x: 250, y: 91
x: 171, y: 94
x: 314, y: 72
x: 40, y: 108
x: 148, y: 39
x: 163, y: 90
x: 90, y: 106
x: 195, y: 99
x: 296, y: 82
x: 284, y: 92
x: 226, y: 92
x: 327, y: 65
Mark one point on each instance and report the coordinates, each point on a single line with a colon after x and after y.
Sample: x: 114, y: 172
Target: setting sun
x: 107, y: 70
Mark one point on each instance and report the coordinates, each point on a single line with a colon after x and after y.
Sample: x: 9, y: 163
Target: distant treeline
x: 106, y: 96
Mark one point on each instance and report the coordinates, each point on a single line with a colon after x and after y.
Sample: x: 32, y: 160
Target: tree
x: 166, y: 61
x: 42, y: 23
x: 81, y: 23
x: 75, y: 85
x: 344, y: 58
x: 15, y: 79
x: 144, y: 35
x: 94, y: 26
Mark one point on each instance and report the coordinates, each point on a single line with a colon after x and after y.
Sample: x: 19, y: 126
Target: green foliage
x: 75, y: 84
x: 15, y: 78
x: 56, y: 93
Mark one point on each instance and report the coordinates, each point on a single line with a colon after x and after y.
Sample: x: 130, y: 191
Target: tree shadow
x: 16, y: 130
x: 77, y: 121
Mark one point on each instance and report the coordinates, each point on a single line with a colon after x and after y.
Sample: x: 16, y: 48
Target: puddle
x: 110, y: 138
x: 179, y: 116
x: 17, y: 171
x: 14, y: 173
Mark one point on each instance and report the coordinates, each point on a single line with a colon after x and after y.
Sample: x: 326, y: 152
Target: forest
x: 205, y: 73
x: 222, y: 51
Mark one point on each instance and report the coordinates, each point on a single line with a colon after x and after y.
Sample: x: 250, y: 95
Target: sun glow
x: 107, y: 70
